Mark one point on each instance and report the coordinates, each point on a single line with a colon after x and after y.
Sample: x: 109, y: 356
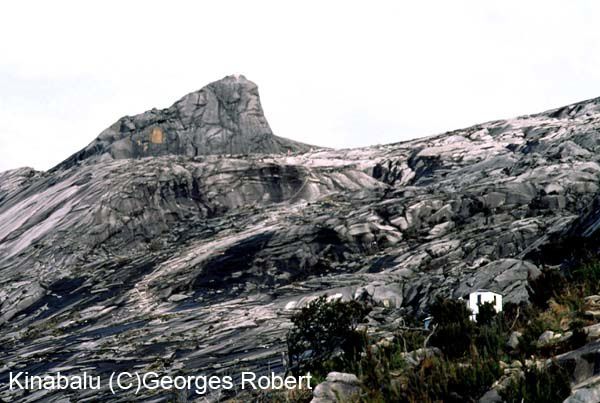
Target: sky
x: 331, y: 73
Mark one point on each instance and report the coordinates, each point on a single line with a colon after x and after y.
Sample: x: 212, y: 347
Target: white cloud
x: 336, y: 73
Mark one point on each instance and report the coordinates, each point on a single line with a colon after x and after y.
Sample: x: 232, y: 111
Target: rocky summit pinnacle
x: 224, y: 117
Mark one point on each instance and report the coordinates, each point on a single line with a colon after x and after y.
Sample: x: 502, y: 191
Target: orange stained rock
x: 157, y: 136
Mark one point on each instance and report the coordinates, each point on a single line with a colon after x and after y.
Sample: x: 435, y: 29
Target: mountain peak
x: 224, y: 117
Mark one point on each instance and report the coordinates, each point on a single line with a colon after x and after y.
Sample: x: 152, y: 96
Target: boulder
x: 491, y: 396
x: 547, y: 337
x: 583, y: 361
x: 513, y: 340
x: 593, y: 315
x: 585, y: 392
x: 593, y: 332
x: 338, y: 387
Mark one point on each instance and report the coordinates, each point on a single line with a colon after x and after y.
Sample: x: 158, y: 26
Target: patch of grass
x: 588, y: 275
x: 440, y: 379
x: 539, y: 385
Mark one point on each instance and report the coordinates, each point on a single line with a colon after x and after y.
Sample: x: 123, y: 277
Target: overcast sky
x: 337, y: 74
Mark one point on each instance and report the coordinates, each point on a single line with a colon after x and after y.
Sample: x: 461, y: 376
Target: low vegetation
x: 456, y: 360
x: 538, y: 385
x: 324, y: 335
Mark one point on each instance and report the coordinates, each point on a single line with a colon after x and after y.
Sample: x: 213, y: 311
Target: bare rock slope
x: 137, y: 253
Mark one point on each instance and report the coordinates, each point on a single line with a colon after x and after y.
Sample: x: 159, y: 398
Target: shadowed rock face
x: 225, y: 117
x: 193, y: 263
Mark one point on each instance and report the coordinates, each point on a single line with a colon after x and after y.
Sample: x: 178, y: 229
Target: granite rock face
x: 133, y: 257
x: 225, y: 117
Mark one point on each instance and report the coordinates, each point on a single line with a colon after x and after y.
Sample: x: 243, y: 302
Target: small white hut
x: 480, y: 297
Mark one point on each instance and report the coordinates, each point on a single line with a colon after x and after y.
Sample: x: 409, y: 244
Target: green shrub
x: 589, y: 276
x: 322, y: 329
x: 530, y: 336
x: 442, y: 380
x: 410, y: 339
x: 454, y: 332
x: 546, y: 385
x: 486, y: 314
x: 490, y: 340
x: 516, y: 316
x: 549, y: 284
x: 374, y: 371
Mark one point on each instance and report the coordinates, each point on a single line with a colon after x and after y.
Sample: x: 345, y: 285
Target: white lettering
x: 14, y: 381
x: 248, y: 377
